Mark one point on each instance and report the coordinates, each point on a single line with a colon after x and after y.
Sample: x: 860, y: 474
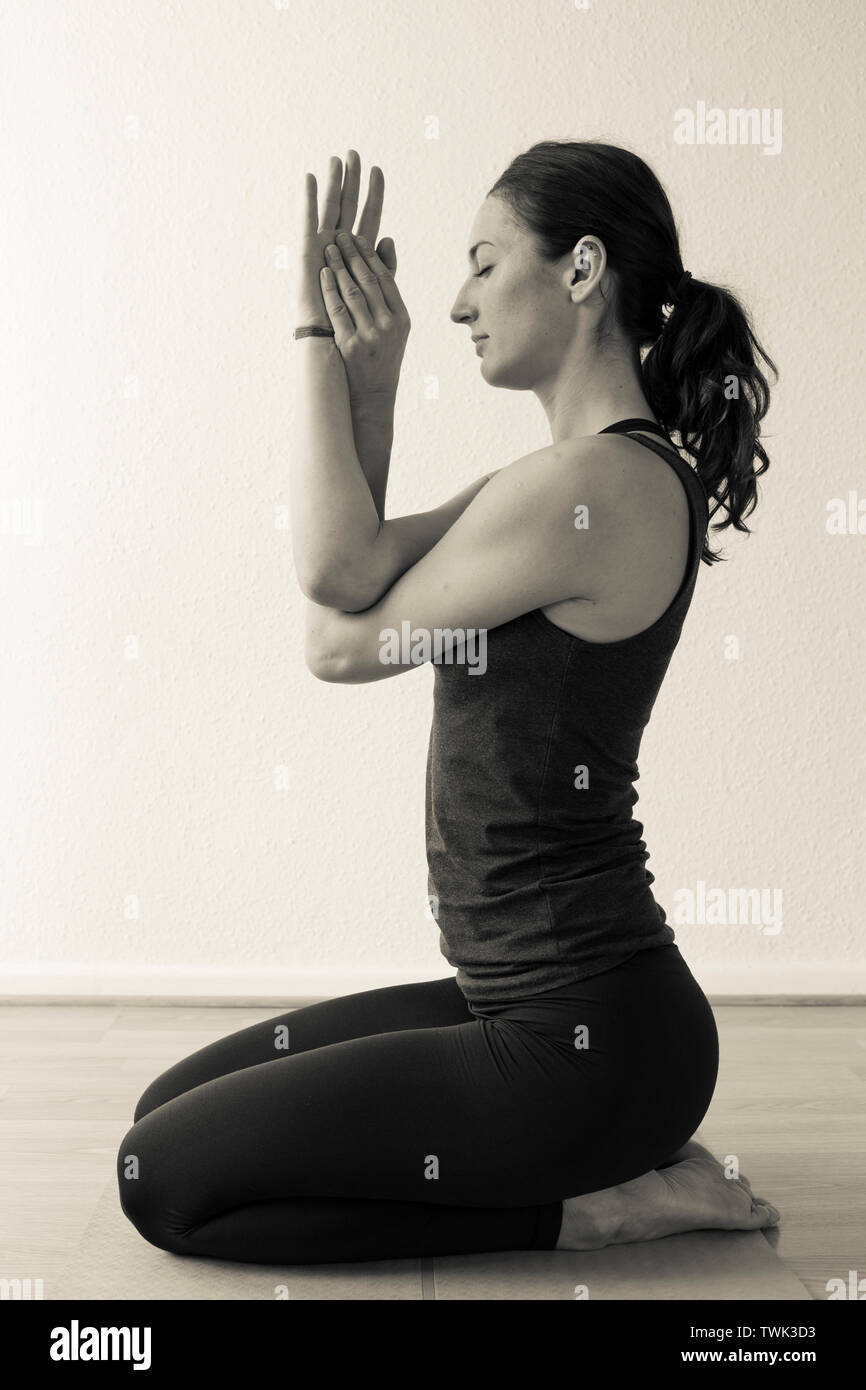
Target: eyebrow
x: 474, y: 248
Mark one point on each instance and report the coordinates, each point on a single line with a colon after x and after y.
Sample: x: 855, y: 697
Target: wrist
x: 372, y: 403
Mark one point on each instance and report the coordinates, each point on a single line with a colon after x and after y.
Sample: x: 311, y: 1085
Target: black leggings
x: 403, y: 1122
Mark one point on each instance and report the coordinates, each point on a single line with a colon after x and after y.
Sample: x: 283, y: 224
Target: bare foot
x: 690, y: 1194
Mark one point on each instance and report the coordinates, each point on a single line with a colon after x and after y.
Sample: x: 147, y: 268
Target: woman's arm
x: 372, y: 407
x: 348, y: 388
x: 403, y: 541
x: 346, y: 556
x: 514, y: 548
x: 335, y: 522
x: 373, y: 431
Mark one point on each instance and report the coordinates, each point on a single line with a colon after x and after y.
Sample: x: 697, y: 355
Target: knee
x: 144, y: 1199
x: 160, y: 1090
x: 147, y: 1101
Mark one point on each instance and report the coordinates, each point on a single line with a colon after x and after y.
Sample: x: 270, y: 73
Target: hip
x: 645, y: 1009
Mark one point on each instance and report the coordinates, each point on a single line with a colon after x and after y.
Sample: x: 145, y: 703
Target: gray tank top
x: 537, y: 866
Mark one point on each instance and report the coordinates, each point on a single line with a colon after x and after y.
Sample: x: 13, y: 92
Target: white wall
x: 152, y: 157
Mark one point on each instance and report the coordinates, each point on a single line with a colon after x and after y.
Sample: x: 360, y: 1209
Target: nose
x: 462, y: 315
x: 462, y: 311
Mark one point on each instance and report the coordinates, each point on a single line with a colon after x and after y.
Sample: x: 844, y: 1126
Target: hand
x: 358, y: 297
x: 338, y: 212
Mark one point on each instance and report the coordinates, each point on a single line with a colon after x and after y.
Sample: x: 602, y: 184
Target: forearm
x: 373, y: 429
x: 346, y: 555
x: 402, y: 541
x: 335, y: 520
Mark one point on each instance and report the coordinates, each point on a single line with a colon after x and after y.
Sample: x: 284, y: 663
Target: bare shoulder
x: 548, y: 486
x: 629, y: 508
x: 594, y: 458
x: 609, y: 482
x: 610, y: 468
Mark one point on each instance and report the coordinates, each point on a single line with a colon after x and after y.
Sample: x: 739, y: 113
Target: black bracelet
x: 313, y: 332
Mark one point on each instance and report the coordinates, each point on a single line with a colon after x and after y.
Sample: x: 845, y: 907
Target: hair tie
x: 680, y: 286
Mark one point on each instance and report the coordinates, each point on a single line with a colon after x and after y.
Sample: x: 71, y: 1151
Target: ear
x: 588, y: 264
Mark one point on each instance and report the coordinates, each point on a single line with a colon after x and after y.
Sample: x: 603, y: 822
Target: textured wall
x: 184, y: 806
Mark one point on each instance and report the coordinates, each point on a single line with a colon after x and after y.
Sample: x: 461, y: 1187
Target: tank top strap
x: 635, y: 423
x: 695, y: 491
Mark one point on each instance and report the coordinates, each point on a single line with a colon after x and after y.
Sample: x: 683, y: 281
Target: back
x: 536, y: 862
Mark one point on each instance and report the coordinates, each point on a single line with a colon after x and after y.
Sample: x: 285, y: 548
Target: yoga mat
x: 113, y: 1261
x: 727, y: 1265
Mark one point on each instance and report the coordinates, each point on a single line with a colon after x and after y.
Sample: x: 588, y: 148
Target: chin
x: 507, y: 376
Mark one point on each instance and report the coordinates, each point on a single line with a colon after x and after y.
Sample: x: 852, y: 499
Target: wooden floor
x: 790, y: 1104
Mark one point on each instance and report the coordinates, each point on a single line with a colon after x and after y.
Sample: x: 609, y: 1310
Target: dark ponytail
x: 700, y: 367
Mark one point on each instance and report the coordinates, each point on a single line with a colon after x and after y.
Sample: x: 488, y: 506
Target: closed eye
x: 483, y: 272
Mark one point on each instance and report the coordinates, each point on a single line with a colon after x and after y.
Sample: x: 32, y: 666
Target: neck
x: 590, y: 391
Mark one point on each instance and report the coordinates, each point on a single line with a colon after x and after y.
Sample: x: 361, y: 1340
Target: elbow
x: 326, y: 662
x: 324, y: 670
x: 337, y: 667
x: 337, y: 590
x: 325, y: 666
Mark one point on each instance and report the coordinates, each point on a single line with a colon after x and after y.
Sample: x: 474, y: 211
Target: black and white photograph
x: 432, y: 536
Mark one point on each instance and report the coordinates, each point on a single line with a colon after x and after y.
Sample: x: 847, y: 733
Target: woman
x: 544, y: 1097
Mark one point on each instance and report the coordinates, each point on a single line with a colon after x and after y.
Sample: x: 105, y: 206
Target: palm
x: 339, y: 210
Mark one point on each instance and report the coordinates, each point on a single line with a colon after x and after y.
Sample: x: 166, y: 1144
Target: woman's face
x: 519, y: 302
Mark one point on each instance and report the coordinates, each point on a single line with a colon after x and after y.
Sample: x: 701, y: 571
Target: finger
x: 384, y: 274
x: 372, y: 214
x: 331, y: 205
x: 363, y: 275
x: 350, y: 292
x: 310, y: 308
x: 341, y: 321
x: 309, y: 206
x: 388, y: 253
x: 351, y: 188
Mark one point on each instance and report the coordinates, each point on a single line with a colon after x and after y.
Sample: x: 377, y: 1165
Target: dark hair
x: 699, y: 361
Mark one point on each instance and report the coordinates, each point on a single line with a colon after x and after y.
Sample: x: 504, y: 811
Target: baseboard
x: 205, y: 985
x: 797, y: 983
